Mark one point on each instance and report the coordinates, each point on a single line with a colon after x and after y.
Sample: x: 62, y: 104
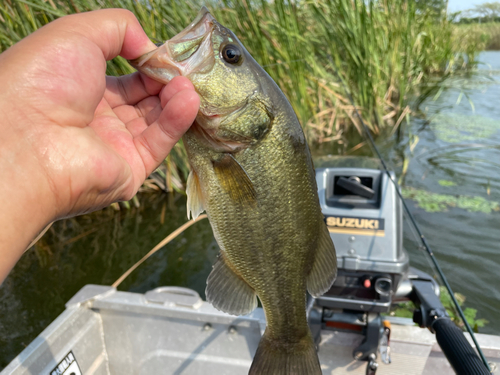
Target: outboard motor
x: 364, y: 217
x: 363, y: 213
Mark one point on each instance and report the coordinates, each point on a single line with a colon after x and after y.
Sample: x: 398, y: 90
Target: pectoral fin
x: 228, y: 292
x: 194, y: 196
x: 234, y: 180
x: 324, y: 270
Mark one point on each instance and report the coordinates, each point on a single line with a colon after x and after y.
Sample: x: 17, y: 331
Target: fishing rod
x: 421, y: 236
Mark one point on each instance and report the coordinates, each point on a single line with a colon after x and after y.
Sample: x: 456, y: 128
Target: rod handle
x: 462, y: 357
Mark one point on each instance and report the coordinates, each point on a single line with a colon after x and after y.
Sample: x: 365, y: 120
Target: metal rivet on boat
x: 352, y: 239
x: 207, y: 327
x: 232, y: 329
x: 352, y: 251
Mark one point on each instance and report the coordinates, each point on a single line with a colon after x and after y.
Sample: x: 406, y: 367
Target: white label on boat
x: 68, y: 366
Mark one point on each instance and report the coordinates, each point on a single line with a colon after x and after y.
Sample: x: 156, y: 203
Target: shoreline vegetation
x: 389, y: 54
x: 487, y: 35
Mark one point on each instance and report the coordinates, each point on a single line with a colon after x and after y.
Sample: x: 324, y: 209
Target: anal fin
x: 228, y: 292
x: 234, y: 180
x: 194, y: 196
x: 324, y: 270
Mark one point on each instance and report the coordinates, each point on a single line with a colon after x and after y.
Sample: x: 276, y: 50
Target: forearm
x: 24, y: 213
x: 27, y: 200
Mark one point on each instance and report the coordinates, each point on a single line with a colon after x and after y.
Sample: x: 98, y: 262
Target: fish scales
x: 260, y: 241
x: 252, y: 172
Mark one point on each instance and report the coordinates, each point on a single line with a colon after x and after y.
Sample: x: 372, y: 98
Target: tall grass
x: 483, y: 35
x: 385, y: 52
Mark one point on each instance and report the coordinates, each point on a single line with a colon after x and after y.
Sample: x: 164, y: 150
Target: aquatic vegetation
x: 405, y: 310
x: 470, y: 313
x: 432, y: 202
x: 458, y: 128
x: 485, y: 35
x: 477, y: 204
x: 446, y: 183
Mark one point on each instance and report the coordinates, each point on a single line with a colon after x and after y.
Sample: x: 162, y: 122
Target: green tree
x: 489, y: 10
x: 436, y: 8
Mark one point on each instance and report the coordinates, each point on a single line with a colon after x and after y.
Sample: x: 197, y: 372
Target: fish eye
x: 231, y: 54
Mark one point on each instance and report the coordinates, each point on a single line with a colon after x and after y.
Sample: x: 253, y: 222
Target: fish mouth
x: 187, y: 52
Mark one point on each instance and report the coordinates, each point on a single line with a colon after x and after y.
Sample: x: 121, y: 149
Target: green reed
x: 387, y: 54
x: 484, y: 35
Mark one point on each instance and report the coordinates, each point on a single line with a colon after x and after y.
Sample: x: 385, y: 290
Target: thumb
x: 156, y: 141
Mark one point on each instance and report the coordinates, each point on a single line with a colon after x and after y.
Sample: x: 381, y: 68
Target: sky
x: 456, y: 5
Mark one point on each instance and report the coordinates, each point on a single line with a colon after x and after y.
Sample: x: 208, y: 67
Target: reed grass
x: 485, y: 36
x: 385, y: 52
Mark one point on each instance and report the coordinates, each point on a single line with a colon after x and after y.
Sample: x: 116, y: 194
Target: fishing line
x: 40, y: 235
x: 413, y: 221
x: 162, y: 243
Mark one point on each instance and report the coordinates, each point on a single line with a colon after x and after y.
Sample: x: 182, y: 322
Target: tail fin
x: 282, y: 358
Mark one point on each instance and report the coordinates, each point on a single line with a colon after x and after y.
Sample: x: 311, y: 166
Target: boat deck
x: 414, y: 351
x: 172, y: 331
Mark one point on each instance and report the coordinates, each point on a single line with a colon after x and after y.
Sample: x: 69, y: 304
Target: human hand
x: 71, y: 139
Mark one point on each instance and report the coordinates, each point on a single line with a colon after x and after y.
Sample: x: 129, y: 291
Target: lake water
x: 457, y: 154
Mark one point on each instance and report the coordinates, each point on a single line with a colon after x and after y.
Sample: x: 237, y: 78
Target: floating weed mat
x: 432, y: 202
x: 406, y: 309
x: 470, y: 313
x: 458, y: 128
x: 447, y: 183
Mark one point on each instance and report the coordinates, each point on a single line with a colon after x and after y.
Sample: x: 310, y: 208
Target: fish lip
x: 161, y: 65
x: 202, y: 19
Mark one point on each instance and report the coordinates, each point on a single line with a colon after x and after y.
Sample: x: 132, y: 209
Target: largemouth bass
x: 253, y: 174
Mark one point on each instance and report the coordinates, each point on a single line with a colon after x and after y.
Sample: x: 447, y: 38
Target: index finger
x: 132, y: 88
